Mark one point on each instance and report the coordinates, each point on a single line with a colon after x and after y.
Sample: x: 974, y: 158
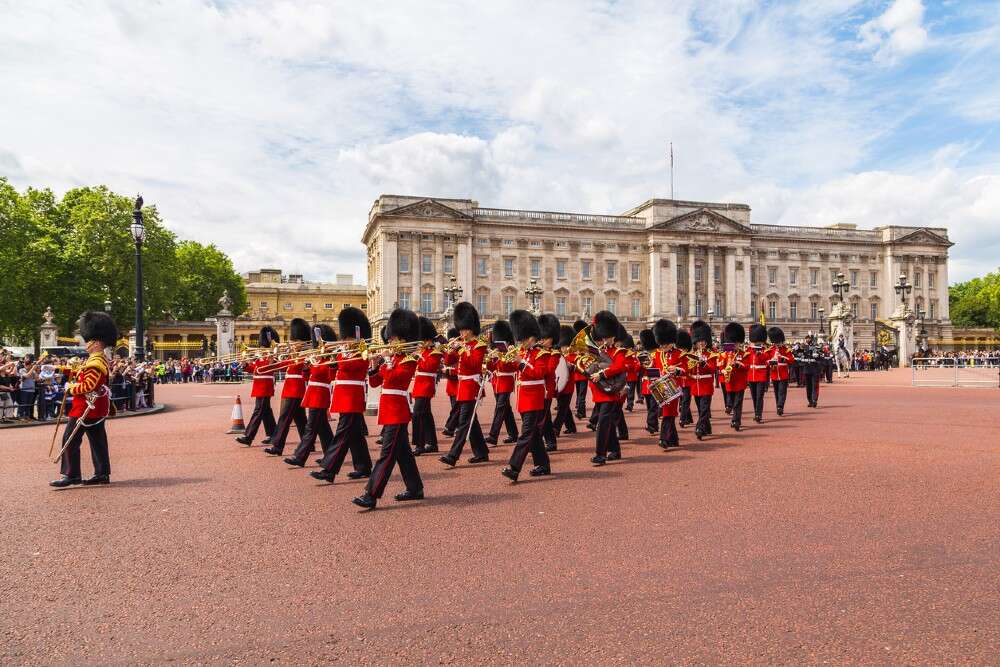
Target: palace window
x: 697, y: 273
x: 263, y: 305
x: 449, y: 265
x: 404, y: 299
x: 753, y: 275
x: 772, y: 310
x: 718, y: 274
x: 560, y: 268
x: 634, y: 270
x: 426, y: 301
x: 793, y: 276
x: 613, y: 305
x: 772, y: 275
x: 680, y: 306
x: 793, y: 311
x: 873, y: 280
x: 612, y: 270
x: 536, y: 268
x: 854, y: 278
x: 636, y: 308
x: 933, y: 311
x: 482, y: 303
x: 347, y: 305
x: 508, y: 267
x: 508, y: 304
x: 813, y: 277
x: 536, y: 244
x: 561, y: 306
x: 427, y: 263
x: 481, y: 266
x: 327, y: 306
x: 697, y: 307
x: 916, y: 279
x: 508, y: 242
x: 404, y: 263
x: 931, y: 276
x: 308, y: 305
x: 585, y: 269
x: 813, y: 310
x: 874, y: 307
x: 588, y: 303
x: 854, y: 308
x: 286, y: 306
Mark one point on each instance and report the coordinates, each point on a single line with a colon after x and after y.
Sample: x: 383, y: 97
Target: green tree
x: 976, y: 303
x: 204, y: 272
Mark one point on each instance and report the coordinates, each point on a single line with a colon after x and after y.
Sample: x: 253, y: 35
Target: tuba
x: 590, y: 359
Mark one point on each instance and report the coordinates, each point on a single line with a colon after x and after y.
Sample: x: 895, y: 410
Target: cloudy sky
x: 270, y: 127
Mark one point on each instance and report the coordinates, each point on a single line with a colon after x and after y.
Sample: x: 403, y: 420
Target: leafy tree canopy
x: 976, y: 303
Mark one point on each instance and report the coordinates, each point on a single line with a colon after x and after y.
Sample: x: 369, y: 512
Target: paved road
x: 862, y: 532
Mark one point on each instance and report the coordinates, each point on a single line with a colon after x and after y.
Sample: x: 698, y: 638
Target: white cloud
x: 897, y: 32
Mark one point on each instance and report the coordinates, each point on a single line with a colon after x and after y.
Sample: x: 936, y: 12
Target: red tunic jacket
x: 552, y: 358
x: 504, y: 375
x: 448, y: 363
x: 394, y: 377
x: 294, y: 385
x: 668, y: 358
x: 570, y: 385
x: 702, y: 376
x: 632, y: 367
x: 470, y: 369
x: 317, y: 396
x: 738, y: 376
x: 531, y: 381
x: 91, y: 378
x: 349, y: 387
x: 263, y: 383
x: 781, y: 357
x: 757, y: 365
x: 425, y: 377
x: 616, y: 368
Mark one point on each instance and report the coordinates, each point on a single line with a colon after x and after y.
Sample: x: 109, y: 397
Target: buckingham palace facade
x: 664, y: 258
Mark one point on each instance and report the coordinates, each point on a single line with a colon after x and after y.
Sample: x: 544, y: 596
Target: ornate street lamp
x: 841, y: 286
x: 903, y: 289
x: 534, y: 293
x: 138, y: 235
x: 452, y: 293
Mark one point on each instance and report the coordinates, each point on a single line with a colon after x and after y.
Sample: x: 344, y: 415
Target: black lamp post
x: 903, y: 289
x: 533, y: 292
x: 841, y: 286
x: 138, y: 235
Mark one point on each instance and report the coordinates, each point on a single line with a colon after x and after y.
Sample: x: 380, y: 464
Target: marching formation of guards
x: 533, y: 366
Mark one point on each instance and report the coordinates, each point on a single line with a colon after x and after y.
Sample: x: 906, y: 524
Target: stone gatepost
x: 225, y: 335
x: 48, y: 335
x: 903, y: 318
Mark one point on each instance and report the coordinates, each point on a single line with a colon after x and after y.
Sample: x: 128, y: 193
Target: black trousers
x: 685, y: 406
x: 467, y: 417
x: 668, y: 432
x: 736, y: 405
x: 780, y: 393
x: 503, y: 415
x: 548, y: 429
x: 757, y: 391
x: 622, y: 424
x: 629, y: 395
x: 608, y: 413
x: 829, y: 372
x: 349, y: 436
x: 530, y: 440
x: 452, y: 421
x: 98, y: 439
x: 395, y: 449
x: 317, y: 426
x: 291, y: 412
x: 652, y: 414
x: 581, y: 399
x: 704, y: 405
x: 727, y: 400
x: 812, y: 388
x: 425, y: 437
x: 261, y: 414
x: 564, y: 415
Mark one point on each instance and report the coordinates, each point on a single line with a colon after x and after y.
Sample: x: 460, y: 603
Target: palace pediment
x: 923, y: 237
x: 427, y: 208
x: 704, y: 221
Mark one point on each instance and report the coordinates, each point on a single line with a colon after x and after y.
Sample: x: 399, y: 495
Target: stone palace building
x: 664, y: 258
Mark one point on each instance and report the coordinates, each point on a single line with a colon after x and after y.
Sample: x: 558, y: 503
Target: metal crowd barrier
x: 952, y: 372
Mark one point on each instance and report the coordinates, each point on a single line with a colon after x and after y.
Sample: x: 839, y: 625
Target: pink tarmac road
x: 865, y: 531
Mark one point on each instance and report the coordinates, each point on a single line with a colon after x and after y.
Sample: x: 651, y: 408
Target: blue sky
x: 270, y: 127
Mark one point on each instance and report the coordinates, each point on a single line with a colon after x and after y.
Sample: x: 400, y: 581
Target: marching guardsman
x: 650, y: 371
x: 316, y: 400
x: 685, y: 418
x: 625, y: 343
x: 394, y: 375
x: 469, y: 367
x: 424, y: 388
x: 292, y: 391
x: 564, y: 396
x: 734, y: 366
x: 261, y: 390
x: 549, y: 327
x: 605, y: 330
x: 91, y: 405
x: 579, y: 379
x: 670, y: 359
x: 530, y: 398
x: 449, y: 362
x: 757, y: 369
x: 701, y: 372
x: 781, y: 360
x: 633, y: 368
x: 503, y: 375
x: 808, y: 360
x: 348, y: 401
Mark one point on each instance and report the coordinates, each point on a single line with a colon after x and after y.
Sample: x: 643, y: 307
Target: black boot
x: 65, y: 481
x: 410, y: 495
x: 97, y: 479
x: 365, y: 501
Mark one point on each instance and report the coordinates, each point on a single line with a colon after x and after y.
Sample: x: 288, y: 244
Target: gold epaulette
x: 479, y: 344
x: 97, y: 361
x: 410, y: 357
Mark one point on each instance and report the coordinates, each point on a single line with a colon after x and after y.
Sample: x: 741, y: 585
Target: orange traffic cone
x: 238, y: 425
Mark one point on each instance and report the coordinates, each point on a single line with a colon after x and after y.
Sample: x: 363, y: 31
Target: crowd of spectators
x: 962, y: 358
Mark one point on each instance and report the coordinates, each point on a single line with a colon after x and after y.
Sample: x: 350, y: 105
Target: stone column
x: 941, y: 288
x: 670, y: 290
x: 655, y: 285
x: 732, y: 305
x: 439, y: 279
x: 463, y: 267
x: 691, y: 283
x: 48, y: 333
x: 709, y: 282
x: 390, y: 276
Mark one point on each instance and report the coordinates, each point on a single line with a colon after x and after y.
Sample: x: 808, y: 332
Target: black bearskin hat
x: 734, y: 333
x: 502, y: 333
x: 524, y: 325
x: 776, y: 335
x: 326, y: 333
x: 566, y: 335
x: 648, y: 340
x: 549, y: 325
x: 665, y: 332
x: 628, y: 342
x: 352, y: 318
x: 403, y: 324
x: 683, y: 340
x: 381, y: 334
x: 700, y: 331
x: 452, y: 333
x: 98, y: 326
x: 466, y: 317
x: 579, y: 326
x: 268, y: 336
x: 605, y: 325
x: 300, y: 330
x: 620, y: 334
x: 427, y: 329
x: 758, y: 333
